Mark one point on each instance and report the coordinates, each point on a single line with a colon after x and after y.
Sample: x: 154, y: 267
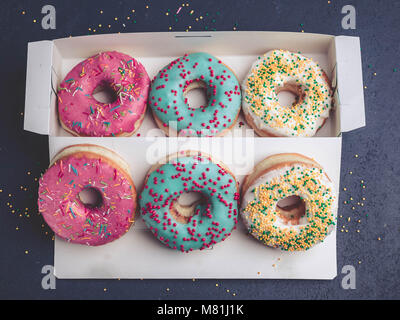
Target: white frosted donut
x: 280, y: 70
x: 296, y: 227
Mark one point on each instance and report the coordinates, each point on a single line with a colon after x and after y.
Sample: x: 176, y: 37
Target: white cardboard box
x: 138, y: 254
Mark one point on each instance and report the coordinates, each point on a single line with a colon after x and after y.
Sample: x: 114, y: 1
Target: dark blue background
x: 24, y: 155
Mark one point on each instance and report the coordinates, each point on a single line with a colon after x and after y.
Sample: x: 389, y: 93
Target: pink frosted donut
x: 87, y: 167
x: 82, y: 115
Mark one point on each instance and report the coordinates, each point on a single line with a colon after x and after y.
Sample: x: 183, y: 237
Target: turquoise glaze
x: 212, y: 221
x: 169, y: 104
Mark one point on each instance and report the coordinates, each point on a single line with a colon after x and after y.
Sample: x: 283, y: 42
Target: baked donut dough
x: 280, y: 70
x: 87, y: 168
x: 294, y: 227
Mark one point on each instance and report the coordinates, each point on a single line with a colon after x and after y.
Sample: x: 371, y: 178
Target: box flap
x: 349, y: 79
x: 38, y: 87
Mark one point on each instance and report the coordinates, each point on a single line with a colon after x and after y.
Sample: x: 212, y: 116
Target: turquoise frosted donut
x: 169, y: 104
x: 209, y: 222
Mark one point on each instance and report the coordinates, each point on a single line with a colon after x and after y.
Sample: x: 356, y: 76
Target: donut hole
x: 196, y: 95
x: 289, y: 94
x: 105, y: 93
x: 291, y: 210
x: 183, y: 208
x: 91, y: 198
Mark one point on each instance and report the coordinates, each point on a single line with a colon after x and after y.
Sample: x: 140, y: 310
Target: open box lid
x: 349, y: 80
x: 38, y: 87
x: 40, y: 94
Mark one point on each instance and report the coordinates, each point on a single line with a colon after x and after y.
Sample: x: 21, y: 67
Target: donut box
x: 138, y: 254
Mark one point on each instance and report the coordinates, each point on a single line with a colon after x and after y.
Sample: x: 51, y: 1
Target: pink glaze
x: 69, y: 218
x: 83, y: 114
